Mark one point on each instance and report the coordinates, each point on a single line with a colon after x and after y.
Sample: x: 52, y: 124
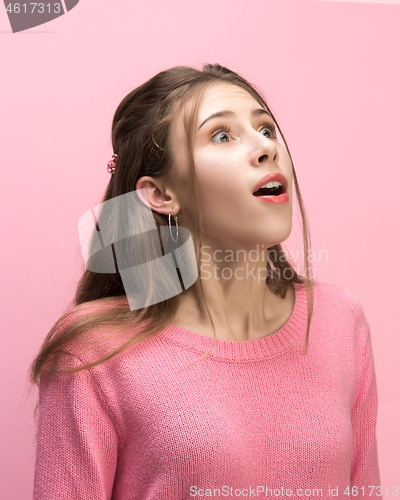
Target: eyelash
x: 270, y: 126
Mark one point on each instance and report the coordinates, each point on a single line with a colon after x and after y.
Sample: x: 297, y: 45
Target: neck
x: 241, y: 304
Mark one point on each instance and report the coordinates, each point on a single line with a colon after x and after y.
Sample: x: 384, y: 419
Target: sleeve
x: 364, y: 465
x: 77, y: 439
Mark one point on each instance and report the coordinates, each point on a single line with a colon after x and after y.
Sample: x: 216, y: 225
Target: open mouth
x: 274, y: 190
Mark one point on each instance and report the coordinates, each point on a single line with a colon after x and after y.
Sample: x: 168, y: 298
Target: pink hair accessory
x: 112, y: 164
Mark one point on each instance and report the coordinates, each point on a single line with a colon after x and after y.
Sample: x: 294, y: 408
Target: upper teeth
x: 272, y: 184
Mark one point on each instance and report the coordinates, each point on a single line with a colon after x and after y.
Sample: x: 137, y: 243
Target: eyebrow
x: 226, y: 113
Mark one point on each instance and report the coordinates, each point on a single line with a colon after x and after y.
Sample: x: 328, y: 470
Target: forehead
x: 223, y: 96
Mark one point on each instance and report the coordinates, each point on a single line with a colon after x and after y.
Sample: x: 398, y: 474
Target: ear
x: 159, y: 198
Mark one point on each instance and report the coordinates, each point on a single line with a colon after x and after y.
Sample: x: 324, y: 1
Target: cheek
x: 214, y: 186
x: 215, y: 173
x: 220, y: 197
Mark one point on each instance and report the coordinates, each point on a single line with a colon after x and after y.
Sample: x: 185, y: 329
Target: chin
x: 281, y: 234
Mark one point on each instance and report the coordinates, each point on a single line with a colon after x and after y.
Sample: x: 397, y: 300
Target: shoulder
x: 337, y: 298
x: 93, y: 329
x: 341, y: 311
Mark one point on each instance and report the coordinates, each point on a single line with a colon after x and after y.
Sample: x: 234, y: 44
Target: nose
x: 265, y: 151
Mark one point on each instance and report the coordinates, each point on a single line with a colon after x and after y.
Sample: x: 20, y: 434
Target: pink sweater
x: 252, y: 419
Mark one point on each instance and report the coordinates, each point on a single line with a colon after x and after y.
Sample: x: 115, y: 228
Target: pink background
x: 331, y: 74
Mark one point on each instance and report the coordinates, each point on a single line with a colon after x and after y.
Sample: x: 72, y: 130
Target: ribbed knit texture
x: 250, y: 419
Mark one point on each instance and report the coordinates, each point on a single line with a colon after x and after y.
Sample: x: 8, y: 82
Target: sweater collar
x: 291, y: 335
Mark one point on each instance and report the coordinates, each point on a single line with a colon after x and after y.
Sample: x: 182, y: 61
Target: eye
x: 218, y: 131
x: 223, y: 131
x: 271, y: 130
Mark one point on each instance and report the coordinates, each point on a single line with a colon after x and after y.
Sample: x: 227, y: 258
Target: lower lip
x: 282, y: 198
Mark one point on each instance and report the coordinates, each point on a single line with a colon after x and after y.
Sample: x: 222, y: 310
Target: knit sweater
x: 252, y: 419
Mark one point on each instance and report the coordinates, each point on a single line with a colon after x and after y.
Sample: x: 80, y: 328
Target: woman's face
x: 229, y: 165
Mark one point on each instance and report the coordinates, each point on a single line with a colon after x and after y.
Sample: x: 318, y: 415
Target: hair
x: 141, y: 138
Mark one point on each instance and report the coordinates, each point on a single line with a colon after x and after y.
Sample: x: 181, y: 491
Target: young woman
x: 252, y: 381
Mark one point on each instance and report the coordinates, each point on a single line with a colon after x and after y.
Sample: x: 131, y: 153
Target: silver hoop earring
x: 176, y: 225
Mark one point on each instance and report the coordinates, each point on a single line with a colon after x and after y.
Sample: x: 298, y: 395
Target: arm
x: 77, y: 440
x: 364, y: 465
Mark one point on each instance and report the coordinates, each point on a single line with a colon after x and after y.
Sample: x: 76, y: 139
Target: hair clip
x: 112, y: 164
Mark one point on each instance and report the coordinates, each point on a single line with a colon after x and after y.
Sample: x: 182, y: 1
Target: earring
x: 176, y: 225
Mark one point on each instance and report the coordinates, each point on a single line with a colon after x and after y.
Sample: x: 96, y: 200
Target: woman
x: 226, y: 388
